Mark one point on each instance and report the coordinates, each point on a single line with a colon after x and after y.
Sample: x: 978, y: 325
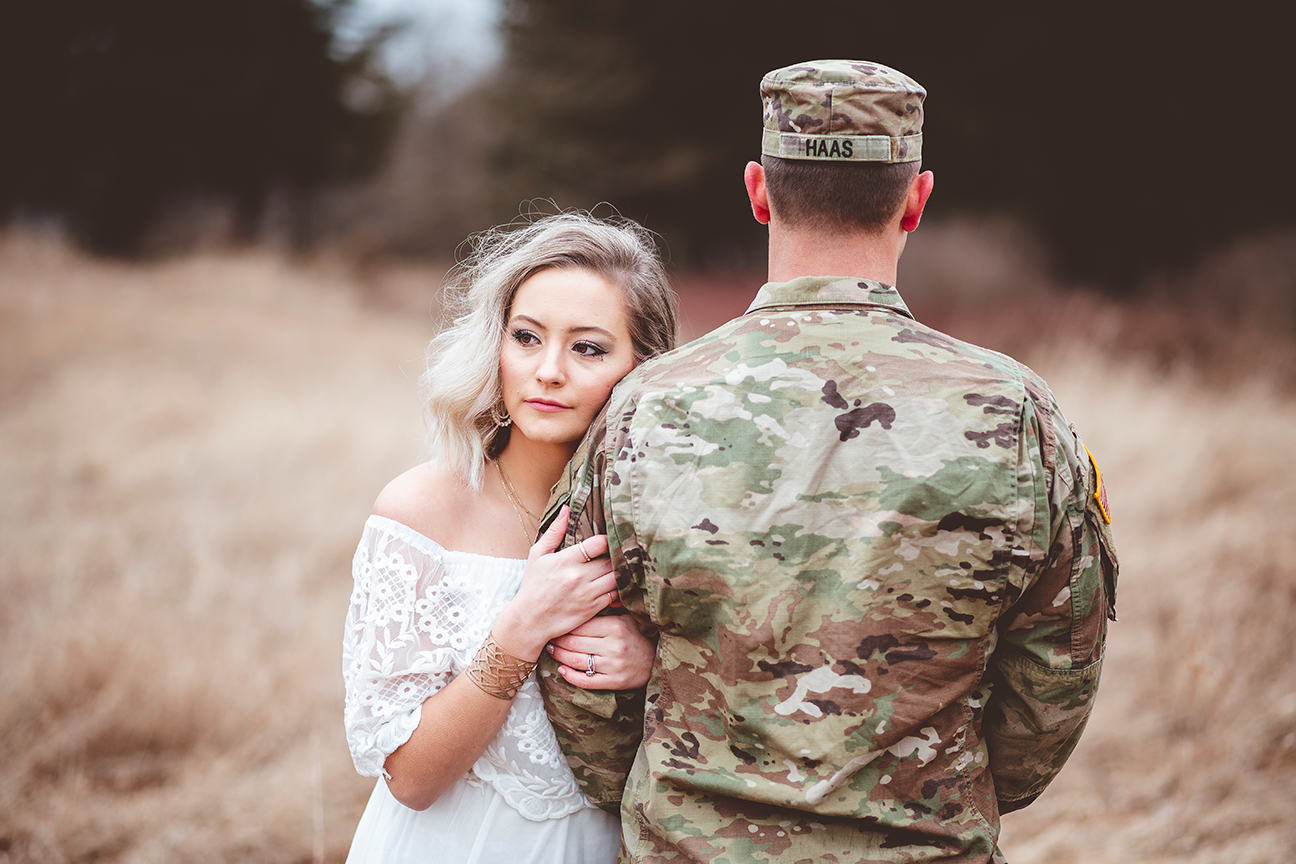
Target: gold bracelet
x: 497, y: 672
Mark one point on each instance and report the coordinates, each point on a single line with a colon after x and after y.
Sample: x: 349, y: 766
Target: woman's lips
x: 545, y: 405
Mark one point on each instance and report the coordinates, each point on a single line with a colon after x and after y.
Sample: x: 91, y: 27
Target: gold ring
x: 588, y: 559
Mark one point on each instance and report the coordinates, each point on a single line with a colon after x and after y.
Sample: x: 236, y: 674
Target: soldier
x: 878, y: 558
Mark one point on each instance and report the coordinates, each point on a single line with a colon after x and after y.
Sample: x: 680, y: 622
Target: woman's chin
x: 550, y: 435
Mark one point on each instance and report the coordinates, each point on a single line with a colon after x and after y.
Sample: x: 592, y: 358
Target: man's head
x: 842, y: 144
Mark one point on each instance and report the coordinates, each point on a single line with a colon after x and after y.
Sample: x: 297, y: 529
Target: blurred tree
x: 1134, y: 137
x: 112, y: 109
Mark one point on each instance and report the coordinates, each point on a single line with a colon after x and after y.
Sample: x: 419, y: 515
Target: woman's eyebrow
x: 527, y: 319
x: 585, y: 328
x: 590, y: 328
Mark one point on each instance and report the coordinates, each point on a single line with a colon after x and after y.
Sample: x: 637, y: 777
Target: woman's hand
x: 559, y: 592
x: 622, y: 656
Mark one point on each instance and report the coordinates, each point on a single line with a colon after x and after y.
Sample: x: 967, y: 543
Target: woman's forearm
x: 456, y: 725
x: 559, y: 591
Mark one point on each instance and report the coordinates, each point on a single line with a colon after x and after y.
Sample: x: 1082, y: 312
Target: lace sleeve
x: 399, y: 644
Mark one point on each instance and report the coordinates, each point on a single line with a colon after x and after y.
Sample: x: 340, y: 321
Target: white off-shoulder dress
x: 418, y: 615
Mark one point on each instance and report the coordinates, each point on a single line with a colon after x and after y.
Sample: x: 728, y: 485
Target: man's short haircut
x: 837, y: 196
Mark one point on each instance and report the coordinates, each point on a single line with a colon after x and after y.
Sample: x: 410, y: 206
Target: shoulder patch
x: 1100, y: 488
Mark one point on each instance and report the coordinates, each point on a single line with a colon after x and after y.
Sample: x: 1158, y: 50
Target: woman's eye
x: 525, y: 337
x: 589, y: 349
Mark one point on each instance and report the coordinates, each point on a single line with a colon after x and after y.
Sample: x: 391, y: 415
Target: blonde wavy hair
x: 461, y: 383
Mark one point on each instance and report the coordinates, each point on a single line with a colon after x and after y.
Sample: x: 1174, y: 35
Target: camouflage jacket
x: 880, y: 567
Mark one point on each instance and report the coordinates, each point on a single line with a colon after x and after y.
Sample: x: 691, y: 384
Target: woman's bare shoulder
x: 429, y: 498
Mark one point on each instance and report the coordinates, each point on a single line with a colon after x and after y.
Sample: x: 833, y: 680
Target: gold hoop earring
x: 499, y: 415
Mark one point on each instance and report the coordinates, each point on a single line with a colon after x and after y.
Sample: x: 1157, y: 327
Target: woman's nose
x: 551, y: 369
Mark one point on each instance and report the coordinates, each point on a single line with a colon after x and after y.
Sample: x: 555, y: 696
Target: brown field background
x: 189, y: 447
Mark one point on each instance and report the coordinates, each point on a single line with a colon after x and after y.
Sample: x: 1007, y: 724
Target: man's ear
x: 920, y: 189
x: 754, y: 179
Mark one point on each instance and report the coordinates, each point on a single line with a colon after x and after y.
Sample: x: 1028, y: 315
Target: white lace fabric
x: 418, y: 615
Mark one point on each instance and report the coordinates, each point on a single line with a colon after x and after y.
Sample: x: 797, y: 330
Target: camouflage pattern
x: 880, y: 576
x: 842, y: 111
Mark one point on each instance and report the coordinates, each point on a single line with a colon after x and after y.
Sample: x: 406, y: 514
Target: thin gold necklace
x: 528, y: 532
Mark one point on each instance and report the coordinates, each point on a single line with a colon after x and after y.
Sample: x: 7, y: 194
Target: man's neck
x: 809, y: 252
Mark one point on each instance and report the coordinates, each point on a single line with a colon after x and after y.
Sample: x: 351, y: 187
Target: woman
x: 453, y: 604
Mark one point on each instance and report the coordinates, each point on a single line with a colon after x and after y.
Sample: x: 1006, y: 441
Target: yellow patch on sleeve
x: 1100, y: 488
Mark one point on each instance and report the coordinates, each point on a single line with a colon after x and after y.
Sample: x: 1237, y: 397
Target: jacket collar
x: 831, y: 291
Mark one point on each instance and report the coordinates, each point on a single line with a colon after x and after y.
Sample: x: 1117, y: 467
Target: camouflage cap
x: 842, y: 111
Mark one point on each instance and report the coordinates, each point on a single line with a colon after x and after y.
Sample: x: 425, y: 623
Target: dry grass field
x: 188, y: 450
